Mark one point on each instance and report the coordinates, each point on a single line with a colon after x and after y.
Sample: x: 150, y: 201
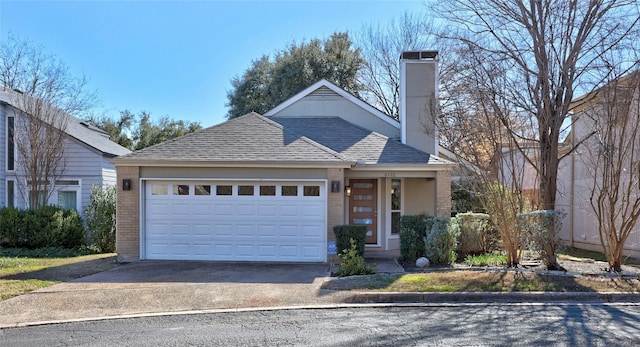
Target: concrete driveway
x: 172, y: 286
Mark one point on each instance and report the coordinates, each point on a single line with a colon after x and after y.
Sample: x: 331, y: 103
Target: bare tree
x: 545, y: 49
x: 497, y: 174
x: 381, y: 46
x: 42, y: 95
x: 613, y: 162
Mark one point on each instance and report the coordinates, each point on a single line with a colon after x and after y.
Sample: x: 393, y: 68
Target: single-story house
x: 86, y: 152
x: 272, y: 187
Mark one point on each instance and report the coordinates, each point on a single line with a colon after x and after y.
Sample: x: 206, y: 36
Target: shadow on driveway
x: 155, y: 271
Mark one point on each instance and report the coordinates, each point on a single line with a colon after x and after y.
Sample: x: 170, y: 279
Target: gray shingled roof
x: 356, y: 143
x: 85, y: 133
x: 250, y: 138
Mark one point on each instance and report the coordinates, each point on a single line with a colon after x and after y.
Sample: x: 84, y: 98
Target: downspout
x: 572, y: 188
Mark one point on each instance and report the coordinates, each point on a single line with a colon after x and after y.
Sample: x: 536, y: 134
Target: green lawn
x: 21, y: 274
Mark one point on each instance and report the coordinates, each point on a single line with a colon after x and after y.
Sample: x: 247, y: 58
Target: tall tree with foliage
x: 546, y: 49
x: 269, y: 82
x: 42, y: 95
x: 138, y: 132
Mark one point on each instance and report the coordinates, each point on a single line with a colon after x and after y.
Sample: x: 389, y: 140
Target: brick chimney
x: 418, y: 100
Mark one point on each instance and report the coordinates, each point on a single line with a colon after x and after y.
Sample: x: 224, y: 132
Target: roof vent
x: 323, y: 91
x: 419, y: 55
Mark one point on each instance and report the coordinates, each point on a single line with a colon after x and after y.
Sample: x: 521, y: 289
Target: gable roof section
x: 356, y: 143
x: 249, y: 139
x: 77, y: 129
x: 326, y: 84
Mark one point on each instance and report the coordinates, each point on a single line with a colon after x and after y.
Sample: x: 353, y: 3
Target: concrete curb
x: 488, y: 297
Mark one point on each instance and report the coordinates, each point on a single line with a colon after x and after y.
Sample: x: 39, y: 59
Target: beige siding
x: 232, y: 173
x: 418, y: 102
x: 419, y: 196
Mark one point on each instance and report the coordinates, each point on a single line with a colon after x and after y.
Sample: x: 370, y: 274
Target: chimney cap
x: 419, y: 55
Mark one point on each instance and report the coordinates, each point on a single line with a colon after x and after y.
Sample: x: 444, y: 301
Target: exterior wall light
x: 126, y: 184
x: 347, y: 190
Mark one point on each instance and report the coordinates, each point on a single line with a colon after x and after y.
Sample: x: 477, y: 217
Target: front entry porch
x: 379, y: 202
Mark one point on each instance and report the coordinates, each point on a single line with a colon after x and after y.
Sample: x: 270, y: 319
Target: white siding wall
x: 574, y: 189
x: 108, y: 173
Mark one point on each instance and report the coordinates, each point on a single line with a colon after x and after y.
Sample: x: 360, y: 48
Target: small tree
x: 613, y: 162
x: 100, y: 219
x: 43, y: 95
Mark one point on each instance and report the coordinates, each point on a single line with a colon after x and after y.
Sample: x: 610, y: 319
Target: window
x: 289, y: 191
x: 11, y: 193
x: 159, y: 189
x: 67, y: 183
x: 180, y: 189
x: 311, y: 191
x: 68, y: 199
x: 11, y: 149
x: 224, y: 190
x: 245, y: 190
x: 396, y: 205
x: 201, y: 189
x: 267, y: 190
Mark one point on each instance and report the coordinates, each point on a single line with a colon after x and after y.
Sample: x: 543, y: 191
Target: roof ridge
x: 302, y: 137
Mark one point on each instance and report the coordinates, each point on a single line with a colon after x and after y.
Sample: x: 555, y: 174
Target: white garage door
x: 235, y: 220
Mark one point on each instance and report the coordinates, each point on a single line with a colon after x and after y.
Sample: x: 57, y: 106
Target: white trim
x: 6, y: 195
x: 337, y: 90
x: 77, y: 188
x: 389, y: 234
x: 6, y: 143
x: 402, y: 98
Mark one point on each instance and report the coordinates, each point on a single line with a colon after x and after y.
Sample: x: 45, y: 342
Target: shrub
x: 11, y: 227
x: 352, y: 263
x: 100, y: 217
x: 346, y: 233
x: 46, y: 226
x: 540, y: 234
x: 477, y: 235
x: 441, y: 241
x: 413, y: 230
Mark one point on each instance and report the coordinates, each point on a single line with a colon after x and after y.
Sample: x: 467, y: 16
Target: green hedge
x: 46, y: 226
x: 413, y: 230
x: 477, y: 234
x: 540, y: 233
x: 344, y: 234
x: 441, y: 241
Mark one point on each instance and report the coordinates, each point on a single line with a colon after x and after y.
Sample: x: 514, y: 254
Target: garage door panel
x: 246, y: 228
x: 245, y: 210
x: 223, y: 210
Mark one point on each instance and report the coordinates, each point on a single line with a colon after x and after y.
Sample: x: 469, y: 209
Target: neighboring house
x: 272, y: 187
x: 86, y: 160
x: 575, y: 182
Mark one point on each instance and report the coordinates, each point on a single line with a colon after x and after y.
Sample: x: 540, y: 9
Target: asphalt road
x: 412, y: 325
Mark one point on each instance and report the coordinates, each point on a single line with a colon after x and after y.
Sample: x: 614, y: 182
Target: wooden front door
x: 363, y: 206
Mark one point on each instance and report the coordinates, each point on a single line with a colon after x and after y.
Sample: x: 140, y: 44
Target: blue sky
x: 177, y: 58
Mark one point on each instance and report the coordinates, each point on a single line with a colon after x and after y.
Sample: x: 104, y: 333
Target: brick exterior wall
x: 443, y: 194
x: 128, y: 215
x: 335, y: 202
